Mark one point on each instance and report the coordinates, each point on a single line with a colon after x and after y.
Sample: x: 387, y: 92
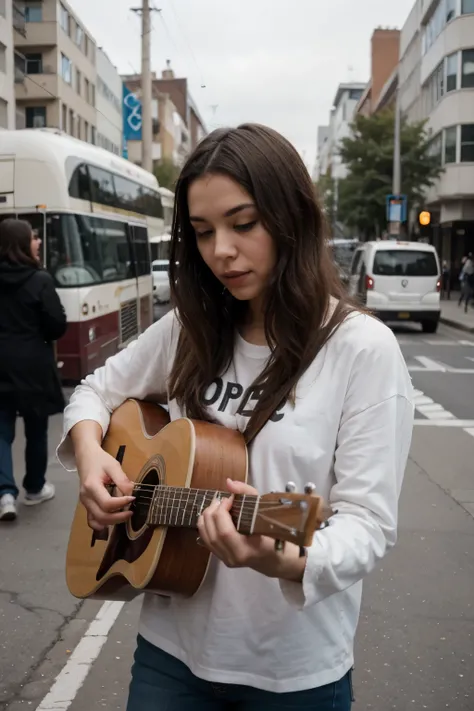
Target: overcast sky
x: 277, y: 62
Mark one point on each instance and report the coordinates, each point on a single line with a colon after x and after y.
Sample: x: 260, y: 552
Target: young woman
x: 31, y: 318
x: 263, y: 340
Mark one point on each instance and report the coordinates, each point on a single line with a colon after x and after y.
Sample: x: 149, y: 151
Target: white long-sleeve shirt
x: 349, y: 433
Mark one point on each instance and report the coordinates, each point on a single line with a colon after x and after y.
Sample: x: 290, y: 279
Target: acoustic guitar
x: 178, y: 468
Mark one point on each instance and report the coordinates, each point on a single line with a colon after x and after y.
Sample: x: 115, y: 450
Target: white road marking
x: 463, y: 424
x: 72, y: 676
x: 430, y: 364
x: 429, y: 408
x: 440, y: 414
x: 470, y: 430
x: 466, y: 343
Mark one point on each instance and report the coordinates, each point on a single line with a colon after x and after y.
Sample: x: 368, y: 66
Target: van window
x: 399, y: 262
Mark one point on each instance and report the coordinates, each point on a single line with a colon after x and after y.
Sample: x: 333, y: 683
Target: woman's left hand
x: 218, y: 533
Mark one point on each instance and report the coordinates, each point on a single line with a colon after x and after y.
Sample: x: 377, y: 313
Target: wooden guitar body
x: 138, y: 558
x: 177, y: 468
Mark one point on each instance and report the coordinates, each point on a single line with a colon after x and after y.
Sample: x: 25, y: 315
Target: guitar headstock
x: 291, y: 517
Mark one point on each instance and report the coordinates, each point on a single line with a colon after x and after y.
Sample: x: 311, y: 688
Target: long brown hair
x: 15, y: 243
x: 298, y: 317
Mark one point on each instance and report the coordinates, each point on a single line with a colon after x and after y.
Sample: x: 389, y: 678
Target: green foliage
x: 167, y: 173
x: 368, y: 154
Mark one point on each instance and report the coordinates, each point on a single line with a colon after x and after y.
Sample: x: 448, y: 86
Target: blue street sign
x: 397, y: 208
x: 132, y: 116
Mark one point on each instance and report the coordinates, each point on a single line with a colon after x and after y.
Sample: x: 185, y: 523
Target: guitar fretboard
x: 182, y: 507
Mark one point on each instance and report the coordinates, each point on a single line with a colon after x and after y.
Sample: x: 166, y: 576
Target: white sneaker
x: 47, y: 492
x: 7, y: 507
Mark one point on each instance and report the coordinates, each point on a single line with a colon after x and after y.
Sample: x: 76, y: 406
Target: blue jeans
x: 162, y: 683
x: 36, y: 452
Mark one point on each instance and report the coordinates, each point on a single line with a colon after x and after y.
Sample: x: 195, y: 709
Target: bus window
x: 80, y: 186
x: 141, y: 249
x: 84, y: 250
x: 103, y: 190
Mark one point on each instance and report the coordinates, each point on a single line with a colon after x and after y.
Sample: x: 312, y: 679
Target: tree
x: 325, y: 191
x: 368, y: 155
x: 167, y: 173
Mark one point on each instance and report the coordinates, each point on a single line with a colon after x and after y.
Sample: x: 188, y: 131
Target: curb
x: 456, y: 324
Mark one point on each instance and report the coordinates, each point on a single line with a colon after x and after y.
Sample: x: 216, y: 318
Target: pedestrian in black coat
x: 31, y: 319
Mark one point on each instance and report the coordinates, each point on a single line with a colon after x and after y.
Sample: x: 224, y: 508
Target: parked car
x: 161, y: 280
x: 398, y: 281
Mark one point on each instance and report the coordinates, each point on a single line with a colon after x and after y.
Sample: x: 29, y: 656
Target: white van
x: 161, y: 280
x: 398, y: 281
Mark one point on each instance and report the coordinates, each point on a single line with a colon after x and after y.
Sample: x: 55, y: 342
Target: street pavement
x: 415, y: 642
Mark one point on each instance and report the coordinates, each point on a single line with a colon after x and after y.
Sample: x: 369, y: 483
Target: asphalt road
x: 415, y: 643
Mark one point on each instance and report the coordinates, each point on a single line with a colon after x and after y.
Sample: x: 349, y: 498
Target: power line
x: 47, y: 91
x: 183, y: 32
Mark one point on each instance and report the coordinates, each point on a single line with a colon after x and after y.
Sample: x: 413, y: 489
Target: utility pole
x: 147, y: 125
x: 395, y: 225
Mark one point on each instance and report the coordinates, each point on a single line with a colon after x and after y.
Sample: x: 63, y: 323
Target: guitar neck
x: 181, y: 508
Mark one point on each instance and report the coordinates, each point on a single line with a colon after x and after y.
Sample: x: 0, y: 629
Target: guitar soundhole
x: 144, y: 497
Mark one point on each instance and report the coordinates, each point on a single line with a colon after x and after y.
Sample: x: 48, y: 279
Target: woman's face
x: 230, y: 236
x: 35, y: 246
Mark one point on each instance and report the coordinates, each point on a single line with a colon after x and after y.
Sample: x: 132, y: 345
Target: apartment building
x: 7, y: 68
x: 436, y: 80
x: 329, y: 161
x: 177, y: 124
x: 380, y: 91
x: 109, y: 105
x: 59, y: 87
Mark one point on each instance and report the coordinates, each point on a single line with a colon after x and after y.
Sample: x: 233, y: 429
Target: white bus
x: 94, y: 212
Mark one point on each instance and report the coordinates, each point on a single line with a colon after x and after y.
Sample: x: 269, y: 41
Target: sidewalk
x: 453, y: 315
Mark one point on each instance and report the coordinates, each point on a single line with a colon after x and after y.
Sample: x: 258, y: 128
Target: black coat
x: 31, y: 318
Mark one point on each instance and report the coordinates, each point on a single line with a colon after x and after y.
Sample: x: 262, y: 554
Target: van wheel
x: 429, y: 326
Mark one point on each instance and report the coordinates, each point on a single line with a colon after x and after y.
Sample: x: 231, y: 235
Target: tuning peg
x: 290, y: 488
x: 279, y: 546
x: 310, y: 488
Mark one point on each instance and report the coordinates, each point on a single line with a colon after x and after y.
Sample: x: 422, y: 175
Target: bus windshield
x: 83, y: 250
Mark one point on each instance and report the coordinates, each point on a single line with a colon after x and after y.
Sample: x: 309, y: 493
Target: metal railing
x: 19, y: 21
x: 20, y: 68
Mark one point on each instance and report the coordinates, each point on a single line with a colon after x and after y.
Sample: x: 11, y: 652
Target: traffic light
x: 425, y: 218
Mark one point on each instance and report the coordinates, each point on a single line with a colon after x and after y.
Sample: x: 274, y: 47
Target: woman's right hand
x: 97, y: 470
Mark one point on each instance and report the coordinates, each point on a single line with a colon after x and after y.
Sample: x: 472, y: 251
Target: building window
x: 86, y: 89
x: 35, y: 116
x: 450, y: 10
x: 71, y: 122
x: 92, y: 99
x: 34, y: 12
x: 86, y: 131
x: 79, y: 36
x: 66, y: 69
x: 64, y: 119
x: 467, y: 72
x: 3, y: 58
x: 3, y: 8
x: 64, y: 18
x: 450, y: 144
x: 467, y: 7
x: 436, y: 148
x: 93, y: 135
x: 78, y: 82
x: 3, y: 113
x: 452, y: 72
x: 34, y: 63
x: 467, y: 143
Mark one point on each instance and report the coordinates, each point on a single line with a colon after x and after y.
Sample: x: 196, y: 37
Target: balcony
x: 38, y: 34
x: 20, y: 68
x: 44, y: 86
x: 19, y: 22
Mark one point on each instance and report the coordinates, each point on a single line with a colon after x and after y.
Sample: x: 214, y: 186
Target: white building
x: 437, y: 84
x: 7, y: 67
x: 342, y: 113
x: 109, y: 105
